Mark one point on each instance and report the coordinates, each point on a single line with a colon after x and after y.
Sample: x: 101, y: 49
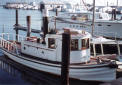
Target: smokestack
x: 16, y: 18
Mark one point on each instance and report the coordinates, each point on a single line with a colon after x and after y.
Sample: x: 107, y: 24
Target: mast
x: 117, y: 3
x: 93, y: 17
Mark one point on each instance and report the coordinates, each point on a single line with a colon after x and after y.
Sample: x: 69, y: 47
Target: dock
x: 25, y: 29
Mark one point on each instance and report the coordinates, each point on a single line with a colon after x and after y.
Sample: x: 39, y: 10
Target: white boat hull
x: 102, y: 72
x: 102, y: 28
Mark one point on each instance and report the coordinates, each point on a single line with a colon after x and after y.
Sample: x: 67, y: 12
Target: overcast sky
x: 104, y: 2
x: 98, y: 2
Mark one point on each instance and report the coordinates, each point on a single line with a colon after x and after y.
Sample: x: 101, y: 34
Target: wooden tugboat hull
x: 95, y: 72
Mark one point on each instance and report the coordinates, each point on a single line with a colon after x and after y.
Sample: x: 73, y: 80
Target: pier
x: 25, y: 29
x: 18, y: 27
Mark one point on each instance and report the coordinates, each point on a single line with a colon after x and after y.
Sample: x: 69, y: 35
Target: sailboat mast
x: 93, y: 17
x: 117, y: 3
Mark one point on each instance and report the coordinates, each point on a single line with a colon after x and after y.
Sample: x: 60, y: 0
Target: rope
x: 85, y: 5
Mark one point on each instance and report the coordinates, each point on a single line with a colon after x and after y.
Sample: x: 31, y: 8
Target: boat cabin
x: 52, y: 49
x: 86, y: 16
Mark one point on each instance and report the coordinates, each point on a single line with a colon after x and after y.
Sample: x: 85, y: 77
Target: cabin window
x: 85, y: 43
x: 73, y: 17
x: 100, y: 17
x: 74, y: 44
x: 82, y: 17
x: 51, y: 43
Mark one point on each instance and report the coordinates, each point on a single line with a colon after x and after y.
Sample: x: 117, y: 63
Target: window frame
x: 74, y: 45
x: 52, y: 43
x: 85, y: 44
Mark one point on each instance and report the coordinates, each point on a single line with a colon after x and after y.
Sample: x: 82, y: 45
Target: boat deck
x: 15, y: 48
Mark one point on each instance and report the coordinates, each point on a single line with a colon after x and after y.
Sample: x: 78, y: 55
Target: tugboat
x: 45, y: 54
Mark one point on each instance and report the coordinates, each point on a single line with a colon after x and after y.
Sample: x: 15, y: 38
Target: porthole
x: 108, y: 25
x: 24, y: 48
x: 99, y: 25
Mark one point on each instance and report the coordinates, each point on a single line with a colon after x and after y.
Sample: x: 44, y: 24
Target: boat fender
x: 113, y: 65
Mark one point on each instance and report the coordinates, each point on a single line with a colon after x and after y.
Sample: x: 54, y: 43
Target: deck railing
x: 8, y: 42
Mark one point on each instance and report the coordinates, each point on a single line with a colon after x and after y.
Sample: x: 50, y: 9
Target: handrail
x: 10, y: 46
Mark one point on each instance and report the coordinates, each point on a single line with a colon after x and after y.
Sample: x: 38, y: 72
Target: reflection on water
x: 14, y: 73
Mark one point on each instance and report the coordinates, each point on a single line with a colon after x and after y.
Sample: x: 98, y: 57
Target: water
x: 7, y: 19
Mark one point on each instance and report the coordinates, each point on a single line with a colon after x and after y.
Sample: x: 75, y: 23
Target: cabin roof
x: 73, y: 32
x: 101, y: 40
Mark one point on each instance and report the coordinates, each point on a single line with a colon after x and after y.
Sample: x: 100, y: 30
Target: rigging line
x: 85, y: 5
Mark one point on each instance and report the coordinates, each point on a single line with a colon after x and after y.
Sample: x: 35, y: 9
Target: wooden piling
x: 45, y: 25
x: 28, y: 26
x: 16, y: 17
x: 16, y: 25
x: 113, y: 14
x: 56, y: 12
x: 42, y: 6
x: 65, y: 59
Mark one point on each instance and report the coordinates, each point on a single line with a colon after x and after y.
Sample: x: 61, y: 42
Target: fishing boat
x: 45, y: 54
x: 100, y: 47
x: 103, y: 25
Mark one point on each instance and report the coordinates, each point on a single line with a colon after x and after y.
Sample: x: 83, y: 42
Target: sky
x: 104, y: 2
x: 98, y: 2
